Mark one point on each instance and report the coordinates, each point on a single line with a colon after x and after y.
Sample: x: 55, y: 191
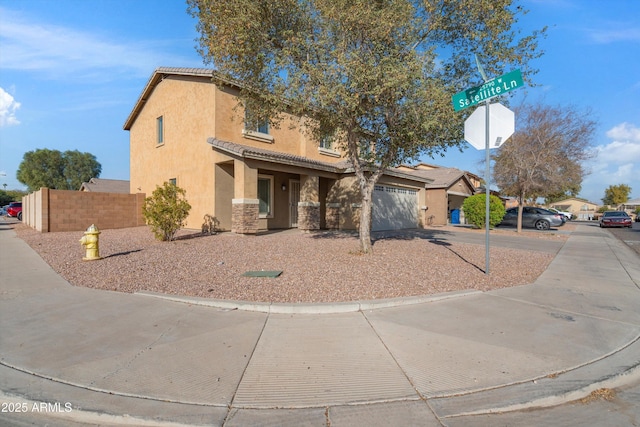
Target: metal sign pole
x: 487, y: 178
x: 487, y: 170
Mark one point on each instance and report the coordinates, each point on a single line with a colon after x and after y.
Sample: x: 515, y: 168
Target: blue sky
x: 71, y: 71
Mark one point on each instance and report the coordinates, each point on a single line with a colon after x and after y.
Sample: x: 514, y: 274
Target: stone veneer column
x: 245, y: 205
x: 308, y: 216
x: 244, y: 216
x: 332, y: 216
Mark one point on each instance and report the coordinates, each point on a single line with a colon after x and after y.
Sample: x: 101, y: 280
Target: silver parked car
x: 541, y: 219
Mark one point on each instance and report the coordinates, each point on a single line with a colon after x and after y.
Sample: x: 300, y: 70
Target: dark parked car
x: 615, y: 219
x: 538, y: 218
x: 15, y: 210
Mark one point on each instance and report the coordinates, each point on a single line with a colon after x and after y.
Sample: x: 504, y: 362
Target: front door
x: 294, y: 198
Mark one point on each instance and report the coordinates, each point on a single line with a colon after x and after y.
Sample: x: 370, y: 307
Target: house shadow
x: 377, y: 236
x: 433, y: 236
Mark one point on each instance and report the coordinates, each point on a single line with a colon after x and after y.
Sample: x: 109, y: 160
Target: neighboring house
x: 580, y: 208
x: 446, y: 193
x: 187, y: 130
x: 630, y: 206
x: 99, y: 185
x: 511, y: 202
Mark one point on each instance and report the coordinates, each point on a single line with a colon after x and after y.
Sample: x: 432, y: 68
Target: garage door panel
x: 394, y: 208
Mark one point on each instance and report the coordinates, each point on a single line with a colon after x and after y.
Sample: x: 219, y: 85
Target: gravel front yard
x: 317, y: 267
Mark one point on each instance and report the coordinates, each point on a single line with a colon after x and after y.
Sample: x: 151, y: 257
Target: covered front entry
x: 394, y: 208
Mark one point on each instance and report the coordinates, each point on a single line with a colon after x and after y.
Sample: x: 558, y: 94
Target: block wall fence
x: 49, y: 210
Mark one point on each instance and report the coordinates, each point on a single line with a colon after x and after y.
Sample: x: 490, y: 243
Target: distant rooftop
x: 99, y: 185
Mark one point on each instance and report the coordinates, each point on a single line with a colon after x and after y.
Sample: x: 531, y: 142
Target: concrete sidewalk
x: 79, y: 356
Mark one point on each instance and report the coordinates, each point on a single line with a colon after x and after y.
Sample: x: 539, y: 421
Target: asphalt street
x: 630, y: 236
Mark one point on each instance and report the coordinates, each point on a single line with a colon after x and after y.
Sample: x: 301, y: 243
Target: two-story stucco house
x: 188, y: 130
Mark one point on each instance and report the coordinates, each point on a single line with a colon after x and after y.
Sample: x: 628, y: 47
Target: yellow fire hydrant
x: 90, y: 241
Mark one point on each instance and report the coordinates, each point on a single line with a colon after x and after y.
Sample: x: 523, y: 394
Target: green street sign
x: 492, y: 88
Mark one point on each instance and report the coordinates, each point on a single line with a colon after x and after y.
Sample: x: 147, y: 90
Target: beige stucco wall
x: 288, y: 137
x: 436, y: 202
x: 345, y: 192
x: 187, y: 106
x: 193, y: 110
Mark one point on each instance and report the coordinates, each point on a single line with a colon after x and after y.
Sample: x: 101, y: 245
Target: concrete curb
x: 610, y: 371
x: 310, y: 308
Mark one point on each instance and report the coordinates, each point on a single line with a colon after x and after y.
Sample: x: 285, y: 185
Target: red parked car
x: 15, y: 210
x: 615, y: 219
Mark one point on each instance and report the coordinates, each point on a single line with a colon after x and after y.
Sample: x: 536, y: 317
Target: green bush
x: 475, y: 210
x: 166, y: 210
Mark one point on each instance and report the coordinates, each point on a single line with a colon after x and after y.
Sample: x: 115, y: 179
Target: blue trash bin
x: 455, y: 216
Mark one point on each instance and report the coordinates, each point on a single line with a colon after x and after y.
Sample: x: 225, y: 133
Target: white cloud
x: 624, y: 131
x: 615, y: 35
x: 624, y: 148
x: 64, y: 52
x: 617, y: 162
x: 8, y: 108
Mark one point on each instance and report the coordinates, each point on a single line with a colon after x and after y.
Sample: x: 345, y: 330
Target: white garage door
x: 394, y: 208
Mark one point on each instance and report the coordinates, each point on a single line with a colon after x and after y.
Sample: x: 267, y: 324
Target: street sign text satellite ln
x: 492, y: 88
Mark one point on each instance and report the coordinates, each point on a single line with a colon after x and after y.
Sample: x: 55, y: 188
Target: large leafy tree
x: 57, y: 170
x: 377, y: 75
x: 616, y: 194
x: 544, y: 157
x: 8, y: 196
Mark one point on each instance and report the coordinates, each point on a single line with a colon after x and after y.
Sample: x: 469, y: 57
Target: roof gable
x: 97, y: 185
x: 158, y: 75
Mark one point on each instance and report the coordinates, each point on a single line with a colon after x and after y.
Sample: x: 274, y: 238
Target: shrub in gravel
x: 475, y: 210
x: 166, y: 210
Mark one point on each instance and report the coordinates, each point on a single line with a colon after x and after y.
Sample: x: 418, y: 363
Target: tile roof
x: 441, y: 177
x: 276, y: 157
x: 341, y: 167
x: 99, y: 185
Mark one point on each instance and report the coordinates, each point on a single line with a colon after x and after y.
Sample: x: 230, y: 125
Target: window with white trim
x: 326, y: 142
x: 260, y: 126
x: 265, y: 196
x: 160, y: 130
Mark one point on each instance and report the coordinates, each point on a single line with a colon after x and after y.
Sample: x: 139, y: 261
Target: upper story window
x: 257, y: 129
x: 261, y: 126
x: 326, y: 142
x: 326, y: 146
x: 173, y: 181
x: 160, y: 130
